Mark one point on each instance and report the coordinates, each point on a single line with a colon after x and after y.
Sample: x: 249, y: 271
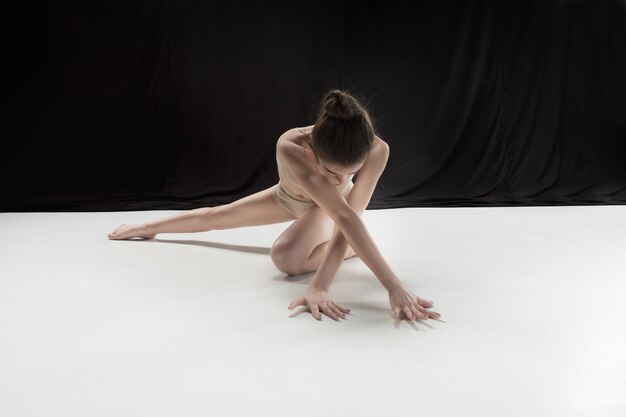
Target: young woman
x: 315, y: 166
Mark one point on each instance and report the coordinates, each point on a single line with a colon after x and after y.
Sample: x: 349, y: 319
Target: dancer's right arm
x: 302, y: 162
x: 354, y: 231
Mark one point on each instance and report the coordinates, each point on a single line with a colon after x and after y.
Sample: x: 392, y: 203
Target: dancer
x: 316, y: 165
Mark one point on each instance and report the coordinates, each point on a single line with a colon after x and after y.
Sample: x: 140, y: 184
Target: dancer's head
x: 343, y: 133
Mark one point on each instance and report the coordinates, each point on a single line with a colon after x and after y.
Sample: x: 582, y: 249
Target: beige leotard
x: 297, y: 204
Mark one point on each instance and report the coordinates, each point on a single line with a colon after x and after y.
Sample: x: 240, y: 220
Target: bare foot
x: 128, y: 231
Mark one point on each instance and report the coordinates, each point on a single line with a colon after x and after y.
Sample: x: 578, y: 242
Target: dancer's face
x: 337, y: 174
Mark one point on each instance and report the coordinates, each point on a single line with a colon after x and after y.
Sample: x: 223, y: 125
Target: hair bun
x: 339, y: 105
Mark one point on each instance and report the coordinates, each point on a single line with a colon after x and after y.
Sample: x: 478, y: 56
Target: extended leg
x: 254, y: 210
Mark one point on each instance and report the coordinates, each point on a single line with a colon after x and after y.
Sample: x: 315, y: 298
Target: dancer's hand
x: 129, y: 231
x: 317, y: 300
x: 413, y: 307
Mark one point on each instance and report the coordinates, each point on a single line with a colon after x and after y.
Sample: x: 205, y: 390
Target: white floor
x: 533, y: 304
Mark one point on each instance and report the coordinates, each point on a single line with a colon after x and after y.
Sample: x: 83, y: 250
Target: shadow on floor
x: 239, y: 248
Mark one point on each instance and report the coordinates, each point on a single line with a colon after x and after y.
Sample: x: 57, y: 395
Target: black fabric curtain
x: 162, y: 104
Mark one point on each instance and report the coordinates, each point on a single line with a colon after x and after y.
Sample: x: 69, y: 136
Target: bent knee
x: 285, y: 259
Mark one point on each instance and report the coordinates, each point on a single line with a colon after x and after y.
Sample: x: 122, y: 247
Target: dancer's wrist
x: 320, y: 282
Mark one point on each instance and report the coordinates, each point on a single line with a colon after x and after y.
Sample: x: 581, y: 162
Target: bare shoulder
x: 379, y: 153
x: 293, y: 144
x: 288, y: 136
x: 380, y: 146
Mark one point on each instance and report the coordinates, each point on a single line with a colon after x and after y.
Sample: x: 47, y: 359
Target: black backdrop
x: 164, y: 104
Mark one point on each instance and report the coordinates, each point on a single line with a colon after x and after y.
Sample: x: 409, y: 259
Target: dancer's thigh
x: 254, y: 210
x: 311, y: 229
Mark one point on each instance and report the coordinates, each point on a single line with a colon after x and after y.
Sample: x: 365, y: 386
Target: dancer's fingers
x: 408, y: 312
x: 315, y: 311
x: 424, y: 303
x: 417, y: 313
x: 336, y: 310
x: 296, y: 302
x: 341, y: 308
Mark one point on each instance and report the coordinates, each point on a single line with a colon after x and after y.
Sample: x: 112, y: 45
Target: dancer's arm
x: 357, y: 236
x: 301, y: 161
x: 358, y: 198
x: 402, y: 301
x: 353, y: 230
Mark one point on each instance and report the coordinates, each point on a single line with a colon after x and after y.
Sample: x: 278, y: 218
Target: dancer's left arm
x: 316, y: 296
x: 358, y: 198
x: 402, y: 301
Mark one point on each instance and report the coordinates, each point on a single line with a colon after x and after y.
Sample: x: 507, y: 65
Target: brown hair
x: 343, y: 133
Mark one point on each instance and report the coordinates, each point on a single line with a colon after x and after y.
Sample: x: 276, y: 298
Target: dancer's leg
x: 254, y: 210
x: 300, y: 248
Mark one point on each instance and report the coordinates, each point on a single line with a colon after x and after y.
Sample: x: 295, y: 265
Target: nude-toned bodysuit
x: 294, y: 203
